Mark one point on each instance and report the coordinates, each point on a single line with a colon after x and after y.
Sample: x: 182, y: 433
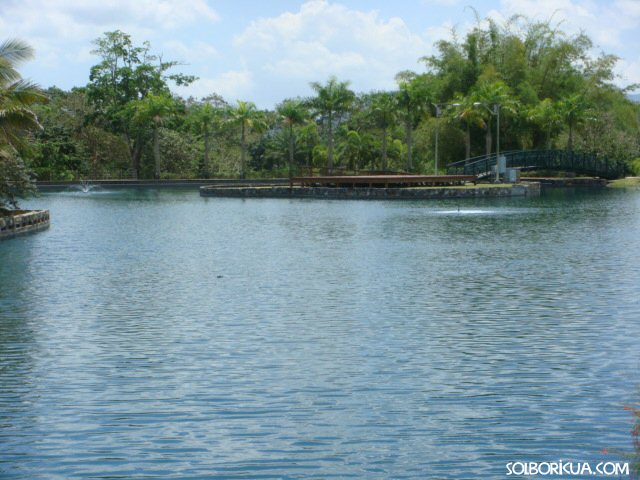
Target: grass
x: 628, y: 182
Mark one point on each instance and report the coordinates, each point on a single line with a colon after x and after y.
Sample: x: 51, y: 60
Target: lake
x: 157, y: 334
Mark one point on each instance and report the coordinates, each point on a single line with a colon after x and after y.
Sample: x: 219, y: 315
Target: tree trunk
x: 467, y: 143
x: 384, y: 149
x: 488, y: 141
x: 291, y: 145
x: 132, y: 157
x: 156, y: 150
x: 330, y: 146
x: 408, y: 141
x: 570, y: 146
x: 206, y: 151
x: 135, y: 150
x: 243, y: 152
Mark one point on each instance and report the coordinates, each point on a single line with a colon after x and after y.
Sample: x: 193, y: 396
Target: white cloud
x: 324, y: 38
x: 629, y: 73
x: 59, y: 25
x: 191, y: 53
x: 232, y: 85
x: 61, y: 31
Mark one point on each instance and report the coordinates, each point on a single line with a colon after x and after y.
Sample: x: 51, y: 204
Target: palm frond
x: 23, y: 92
x: 15, y: 51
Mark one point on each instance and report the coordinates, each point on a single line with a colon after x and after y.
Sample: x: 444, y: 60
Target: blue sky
x: 265, y: 51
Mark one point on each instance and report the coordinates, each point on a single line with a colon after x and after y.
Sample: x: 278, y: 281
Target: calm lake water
x: 157, y: 334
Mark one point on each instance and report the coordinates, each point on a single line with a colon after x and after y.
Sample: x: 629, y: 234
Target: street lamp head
x: 477, y: 104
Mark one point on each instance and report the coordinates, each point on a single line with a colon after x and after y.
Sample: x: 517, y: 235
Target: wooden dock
x: 383, y: 181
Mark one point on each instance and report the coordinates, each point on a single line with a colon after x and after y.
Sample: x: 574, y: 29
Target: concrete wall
x: 523, y: 189
x: 23, y: 221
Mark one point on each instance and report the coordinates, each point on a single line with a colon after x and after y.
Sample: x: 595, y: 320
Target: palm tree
x: 154, y: 109
x: 384, y: 110
x: 574, y: 110
x: 413, y: 97
x: 293, y: 113
x: 351, y: 150
x: 547, y: 115
x: 205, y: 118
x: 248, y: 116
x: 16, y: 95
x: 16, y: 119
x: 308, y: 138
x: 466, y: 112
x: 495, y: 94
x: 331, y: 100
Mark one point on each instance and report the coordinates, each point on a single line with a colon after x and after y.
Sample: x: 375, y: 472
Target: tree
x: 384, y: 109
x: 248, y: 117
x: 203, y: 117
x: 357, y: 149
x: 293, y: 113
x: 466, y: 112
x: 308, y: 139
x: 493, y: 94
x: 206, y: 118
x: 574, y: 110
x: 17, y: 96
x: 126, y: 74
x: 547, y: 116
x: 153, y: 109
x: 415, y: 94
x: 332, y: 99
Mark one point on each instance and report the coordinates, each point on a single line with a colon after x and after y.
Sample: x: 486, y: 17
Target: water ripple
x: 155, y: 334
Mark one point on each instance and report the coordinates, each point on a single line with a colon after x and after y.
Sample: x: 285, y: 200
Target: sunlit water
x: 157, y: 334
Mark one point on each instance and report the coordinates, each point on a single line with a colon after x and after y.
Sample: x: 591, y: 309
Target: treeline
x: 550, y: 92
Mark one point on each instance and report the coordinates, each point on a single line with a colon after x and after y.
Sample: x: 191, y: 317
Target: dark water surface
x: 157, y: 334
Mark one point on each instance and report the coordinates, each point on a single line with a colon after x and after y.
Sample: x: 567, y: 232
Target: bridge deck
x: 383, y: 181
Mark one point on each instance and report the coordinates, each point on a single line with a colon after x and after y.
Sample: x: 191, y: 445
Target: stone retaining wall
x: 23, y: 221
x: 522, y: 189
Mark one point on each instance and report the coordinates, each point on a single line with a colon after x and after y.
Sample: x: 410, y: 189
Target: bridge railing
x: 579, y: 162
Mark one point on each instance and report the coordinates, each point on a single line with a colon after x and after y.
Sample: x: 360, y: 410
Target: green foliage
x: 292, y: 113
x: 249, y: 118
x: 15, y: 179
x: 17, y: 97
x: 634, y: 166
x: 179, y: 152
x: 128, y: 83
x: 332, y: 101
x: 551, y: 93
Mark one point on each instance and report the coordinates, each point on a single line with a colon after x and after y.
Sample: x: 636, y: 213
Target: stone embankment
x: 568, y: 181
x: 415, y: 193
x: 23, y: 221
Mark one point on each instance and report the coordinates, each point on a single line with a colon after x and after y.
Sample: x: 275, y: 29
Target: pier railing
x: 578, y: 162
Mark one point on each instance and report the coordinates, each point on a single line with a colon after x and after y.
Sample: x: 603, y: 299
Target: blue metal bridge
x: 580, y: 163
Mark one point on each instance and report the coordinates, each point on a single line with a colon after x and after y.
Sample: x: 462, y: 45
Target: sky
x: 269, y: 50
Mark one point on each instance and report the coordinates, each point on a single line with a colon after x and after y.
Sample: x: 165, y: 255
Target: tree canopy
x: 17, y: 119
x: 549, y: 87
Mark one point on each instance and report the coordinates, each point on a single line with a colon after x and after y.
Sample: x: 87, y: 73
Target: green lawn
x: 627, y: 182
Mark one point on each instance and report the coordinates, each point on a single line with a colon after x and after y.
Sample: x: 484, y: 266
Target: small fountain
x: 84, y: 187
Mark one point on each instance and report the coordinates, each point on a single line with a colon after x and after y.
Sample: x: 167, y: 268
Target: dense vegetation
x: 550, y: 91
x: 16, y: 119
